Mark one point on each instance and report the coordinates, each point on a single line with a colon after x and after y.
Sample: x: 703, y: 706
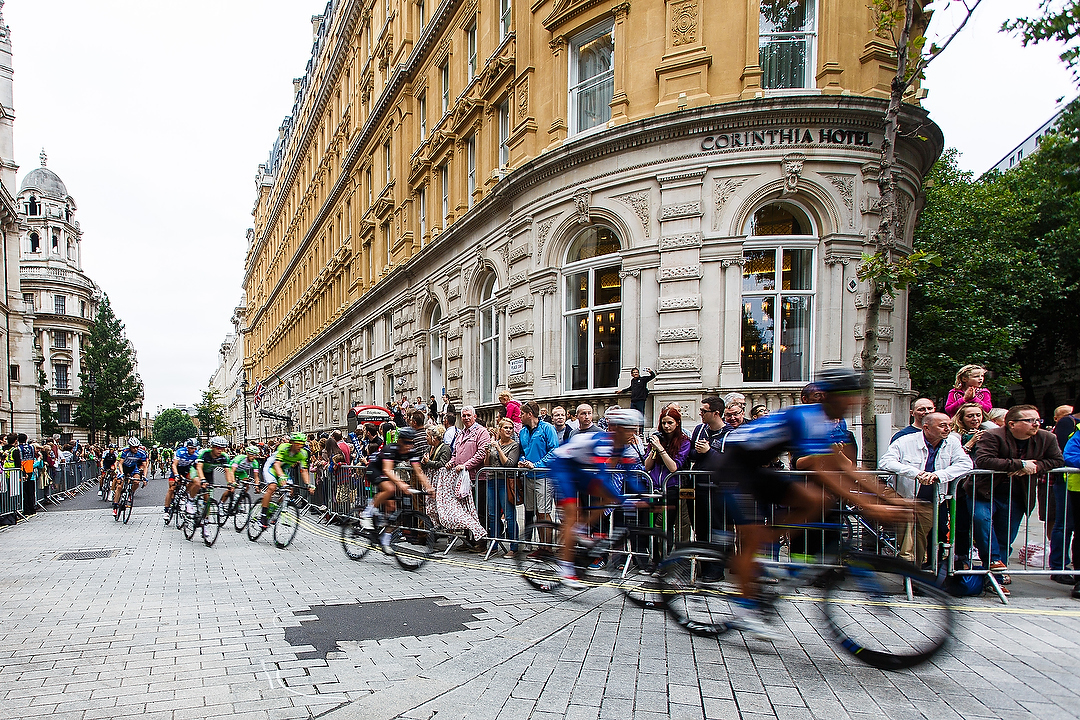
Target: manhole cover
x: 375, y: 621
x: 86, y: 555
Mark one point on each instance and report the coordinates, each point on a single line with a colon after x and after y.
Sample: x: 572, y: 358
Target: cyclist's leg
x: 384, y: 498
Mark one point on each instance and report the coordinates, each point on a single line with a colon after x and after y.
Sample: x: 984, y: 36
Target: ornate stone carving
x: 453, y: 373
x: 546, y: 289
x: 518, y: 278
x: 684, y: 334
x: 885, y: 332
x: 831, y: 259
x: 454, y: 291
x: 680, y: 272
x: 519, y: 329
x: 862, y: 300
x: 845, y: 185
x: 633, y: 272
x: 677, y: 242
x: 882, y: 363
x: 520, y: 380
x: 725, y: 188
x: 683, y: 210
x: 469, y: 320
x: 793, y: 165
x: 454, y: 334
x: 729, y: 261
x: 639, y: 203
x: 520, y: 252
x: 582, y: 200
x: 903, y: 214
x: 453, y: 353
x: 518, y: 353
x: 673, y: 304
x: 541, y: 236
x: 870, y: 205
x: 684, y: 23
x: 523, y: 99
x: 680, y: 363
x: 519, y: 304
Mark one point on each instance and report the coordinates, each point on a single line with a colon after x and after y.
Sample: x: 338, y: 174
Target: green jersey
x: 210, y: 463
x: 288, y: 459
x: 242, y: 467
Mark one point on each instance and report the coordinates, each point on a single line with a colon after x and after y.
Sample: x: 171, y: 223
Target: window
x: 370, y: 187
x: 388, y: 326
x: 489, y: 341
x: 592, y: 78
x: 371, y: 341
x: 35, y: 243
x: 59, y: 339
x: 32, y: 207
x: 60, y: 376
x: 444, y: 75
x: 420, y: 13
x: 470, y: 154
x: 63, y: 413
x: 504, y: 18
x: 82, y: 308
x: 435, y: 385
x: 421, y: 211
x: 13, y: 373
x: 60, y: 304
x: 504, y: 134
x: 28, y: 302
x: 421, y: 110
x: 786, y: 32
x: 444, y: 186
x: 389, y: 162
x: 471, y: 37
x: 56, y: 243
x: 593, y: 310
x: 777, y: 296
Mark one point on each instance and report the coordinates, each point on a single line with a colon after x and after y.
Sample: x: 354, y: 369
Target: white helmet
x: 134, y: 442
x: 218, y: 442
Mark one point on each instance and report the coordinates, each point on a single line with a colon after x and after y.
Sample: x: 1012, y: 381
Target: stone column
x: 631, y: 324
x: 731, y: 354
x: 559, y: 90
x: 619, y: 102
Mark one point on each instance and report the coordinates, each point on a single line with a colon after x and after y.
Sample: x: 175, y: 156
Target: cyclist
x: 183, y: 468
x: 108, y: 463
x: 166, y: 459
x: 154, y: 455
x: 291, y: 454
x: 589, y: 463
x: 813, y: 431
x: 208, y: 459
x: 132, y: 464
x: 388, y: 481
x: 240, y: 468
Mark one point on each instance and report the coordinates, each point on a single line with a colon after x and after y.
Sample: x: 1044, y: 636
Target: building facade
x: 227, y: 381
x: 540, y: 197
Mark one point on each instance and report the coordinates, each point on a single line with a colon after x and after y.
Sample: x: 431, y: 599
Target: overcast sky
x: 157, y: 114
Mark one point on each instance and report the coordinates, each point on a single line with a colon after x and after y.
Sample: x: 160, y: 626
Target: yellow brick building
x: 541, y: 196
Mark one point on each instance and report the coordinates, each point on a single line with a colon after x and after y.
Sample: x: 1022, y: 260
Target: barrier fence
x: 11, y: 495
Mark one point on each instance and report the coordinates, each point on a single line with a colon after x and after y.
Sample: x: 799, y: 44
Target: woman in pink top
x: 969, y: 389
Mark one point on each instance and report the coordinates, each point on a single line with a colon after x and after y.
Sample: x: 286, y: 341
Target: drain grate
x: 86, y: 555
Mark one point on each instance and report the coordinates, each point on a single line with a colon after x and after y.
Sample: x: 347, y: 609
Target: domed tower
x: 62, y: 299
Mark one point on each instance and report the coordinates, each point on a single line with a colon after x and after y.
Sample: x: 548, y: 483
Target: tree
x: 173, y: 426
x: 49, y: 426
x: 1062, y: 25
x: 109, y: 361
x: 905, y: 23
x: 211, y: 413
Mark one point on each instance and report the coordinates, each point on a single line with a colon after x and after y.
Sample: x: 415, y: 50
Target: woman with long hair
x: 669, y: 447
x: 966, y: 422
x: 969, y: 388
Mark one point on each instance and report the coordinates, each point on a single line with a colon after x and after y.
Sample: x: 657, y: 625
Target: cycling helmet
x: 134, y: 442
x: 298, y: 437
x: 839, y: 380
x: 251, y: 450
x: 191, y: 443
x: 406, y: 435
x: 219, y: 442
x: 627, y: 417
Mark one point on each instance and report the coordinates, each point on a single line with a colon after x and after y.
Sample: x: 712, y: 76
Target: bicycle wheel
x: 127, y: 499
x: 535, y: 557
x: 690, y: 594
x: 286, y: 525
x: 243, y: 507
x: 254, y: 522
x: 211, y: 524
x: 867, y: 606
x: 354, y: 538
x: 412, y: 538
x: 636, y: 568
x: 191, y: 522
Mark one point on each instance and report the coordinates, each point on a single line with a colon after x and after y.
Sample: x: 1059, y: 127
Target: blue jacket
x: 538, y: 444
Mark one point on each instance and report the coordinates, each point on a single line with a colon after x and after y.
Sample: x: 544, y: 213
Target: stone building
x: 227, y: 381
x: 541, y: 197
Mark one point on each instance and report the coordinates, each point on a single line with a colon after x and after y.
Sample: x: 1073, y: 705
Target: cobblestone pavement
x: 167, y: 628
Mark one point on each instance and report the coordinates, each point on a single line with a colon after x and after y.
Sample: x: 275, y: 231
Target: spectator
x: 545, y: 415
x: 448, y: 407
x: 967, y: 422
x: 343, y: 447
x: 924, y: 464
x: 639, y: 389
x: 969, y: 388
x: 452, y: 511
x: 995, y: 418
x: 511, y: 408
x: 504, y: 451
x: 433, y: 410
x: 1022, y: 450
x: 669, y: 448
x: 733, y: 415
x: 919, y: 410
x: 538, y: 440
x: 1061, y: 411
x: 450, y: 430
x: 416, y: 422
x: 736, y: 399
x: 708, y: 436
x: 469, y: 452
x: 759, y: 411
x: 585, y: 422
x: 1071, y: 505
x: 1061, y: 512
x: 558, y: 420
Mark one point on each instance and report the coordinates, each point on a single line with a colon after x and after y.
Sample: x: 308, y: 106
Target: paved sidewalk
x: 168, y: 628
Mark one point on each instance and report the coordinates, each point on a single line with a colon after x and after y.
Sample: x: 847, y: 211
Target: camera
x: 658, y: 434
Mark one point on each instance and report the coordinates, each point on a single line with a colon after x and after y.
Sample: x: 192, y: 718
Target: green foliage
x: 1006, y: 293
x: 895, y: 275
x: 1059, y: 25
x: 110, y: 361
x: 173, y: 426
x: 49, y: 425
x: 211, y: 413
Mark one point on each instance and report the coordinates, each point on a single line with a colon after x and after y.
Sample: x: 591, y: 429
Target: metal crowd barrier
x: 11, y: 496
x: 993, y: 518
x: 65, y: 480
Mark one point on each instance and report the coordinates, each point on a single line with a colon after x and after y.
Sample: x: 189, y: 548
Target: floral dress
x: 449, y: 511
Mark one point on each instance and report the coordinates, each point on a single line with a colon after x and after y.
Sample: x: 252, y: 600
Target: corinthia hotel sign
x: 786, y: 136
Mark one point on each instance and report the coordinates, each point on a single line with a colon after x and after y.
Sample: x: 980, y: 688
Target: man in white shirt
x: 924, y: 463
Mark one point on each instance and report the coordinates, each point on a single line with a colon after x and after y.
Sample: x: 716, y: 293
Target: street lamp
x: 91, y: 385
x: 243, y: 389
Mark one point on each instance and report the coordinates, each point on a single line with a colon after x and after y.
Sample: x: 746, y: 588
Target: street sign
x: 517, y: 366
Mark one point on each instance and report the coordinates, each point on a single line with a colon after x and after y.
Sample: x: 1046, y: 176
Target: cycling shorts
x: 131, y: 470
x: 571, y: 481
x: 270, y: 478
x: 744, y: 491
x: 185, y: 471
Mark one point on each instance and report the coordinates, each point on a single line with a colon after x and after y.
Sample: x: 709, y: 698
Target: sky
x: 156, y: 115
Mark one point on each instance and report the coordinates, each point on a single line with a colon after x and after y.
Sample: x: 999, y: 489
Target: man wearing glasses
x: 708, y: 436
x: 1019, y: 453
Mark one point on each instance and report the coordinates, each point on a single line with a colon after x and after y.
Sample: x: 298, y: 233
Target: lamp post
x: 91, y: 385
x: 243, y: 390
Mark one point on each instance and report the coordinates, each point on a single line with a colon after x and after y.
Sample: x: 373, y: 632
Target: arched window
x: 435, y: 346
x: 592, y: 310
x: 33, y: 208
x: 35, y: 243
x: 778, y: 295
x: 489, y: 341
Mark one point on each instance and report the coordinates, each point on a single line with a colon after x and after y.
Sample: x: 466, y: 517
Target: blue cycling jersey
x: 588, y: 460
x: 185, y: 457
x: 803, y: 429
x: 133, y: 457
